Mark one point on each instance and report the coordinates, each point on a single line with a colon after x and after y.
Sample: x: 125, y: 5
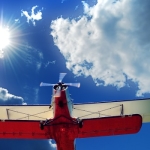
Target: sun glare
x: 4, y: 37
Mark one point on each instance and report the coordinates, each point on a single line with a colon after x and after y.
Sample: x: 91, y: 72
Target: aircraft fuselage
x: 63, y: 126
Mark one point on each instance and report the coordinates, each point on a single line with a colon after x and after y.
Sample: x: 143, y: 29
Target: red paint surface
x: 64, y: 129
x: 61, y: 110
x: 110, y: 126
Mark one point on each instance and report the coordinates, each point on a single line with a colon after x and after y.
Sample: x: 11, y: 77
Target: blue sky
x: 102, y: 44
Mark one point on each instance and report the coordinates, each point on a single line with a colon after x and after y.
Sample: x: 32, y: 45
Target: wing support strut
x: 122, y: 110
x: 7, y: 111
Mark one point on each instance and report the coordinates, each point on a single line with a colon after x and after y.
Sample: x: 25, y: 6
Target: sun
x: 4, y: 37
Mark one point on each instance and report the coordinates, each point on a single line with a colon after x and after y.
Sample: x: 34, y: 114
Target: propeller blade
x: 46, y: 84
x: 58, y: 92
x: 61, y: 76
x: 73, y: 84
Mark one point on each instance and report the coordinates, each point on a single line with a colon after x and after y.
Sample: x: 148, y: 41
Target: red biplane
x: 64, y: 121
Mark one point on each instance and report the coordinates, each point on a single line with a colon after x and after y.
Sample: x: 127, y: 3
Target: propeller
x: 61, y: 76
x: 59, y: 86
x: 73, y: 84
x: 46, y: 84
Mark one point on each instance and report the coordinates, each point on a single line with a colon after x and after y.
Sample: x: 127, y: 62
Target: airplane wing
x: 110, y: 126
x: 27, y: 129
x: 115, y: 108
x: 23, y: 129
x: 25, y: 112
x: 23, y: 121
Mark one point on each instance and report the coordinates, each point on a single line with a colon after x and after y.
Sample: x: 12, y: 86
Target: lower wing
x: 107, y: 126
x: 27, y: 129
x: 23, y: 129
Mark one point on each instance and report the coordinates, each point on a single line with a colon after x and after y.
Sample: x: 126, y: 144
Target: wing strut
x: 7, y: 113
x: 122, y: 111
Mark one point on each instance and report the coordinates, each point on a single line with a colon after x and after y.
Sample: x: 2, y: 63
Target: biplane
x: 64, y: 121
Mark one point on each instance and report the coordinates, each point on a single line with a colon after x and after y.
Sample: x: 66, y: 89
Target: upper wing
x: 25, y: 112
x: 106, y: 109
x: 110, y: 126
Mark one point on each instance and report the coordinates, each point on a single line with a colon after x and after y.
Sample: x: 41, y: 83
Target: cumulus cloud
x: 7, y: 98
x: 34, y: 16
x: 110, y: 43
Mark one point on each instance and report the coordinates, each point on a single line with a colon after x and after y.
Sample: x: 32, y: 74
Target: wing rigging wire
x: 90, y: 112
x: 29, y: 115
x: 98, y: 112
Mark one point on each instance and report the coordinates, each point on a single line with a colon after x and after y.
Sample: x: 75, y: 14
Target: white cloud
x: 53, y: 146
x: 36, y: 93
x: 17, y: 21
x: 50, y: 62
x: 110, y: 43
x: 7, y: 98
x: 34, y: 16
x: 76, y: 7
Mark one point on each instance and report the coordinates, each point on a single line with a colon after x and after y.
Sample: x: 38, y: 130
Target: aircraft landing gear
x: 41, y: 125
x: 44, y: 123
x: 80, y: 123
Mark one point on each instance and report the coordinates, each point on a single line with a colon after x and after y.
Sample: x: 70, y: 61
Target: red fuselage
x: 63, y: 126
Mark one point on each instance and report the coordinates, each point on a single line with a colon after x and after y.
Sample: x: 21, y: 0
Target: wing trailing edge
x: 108, y: 126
